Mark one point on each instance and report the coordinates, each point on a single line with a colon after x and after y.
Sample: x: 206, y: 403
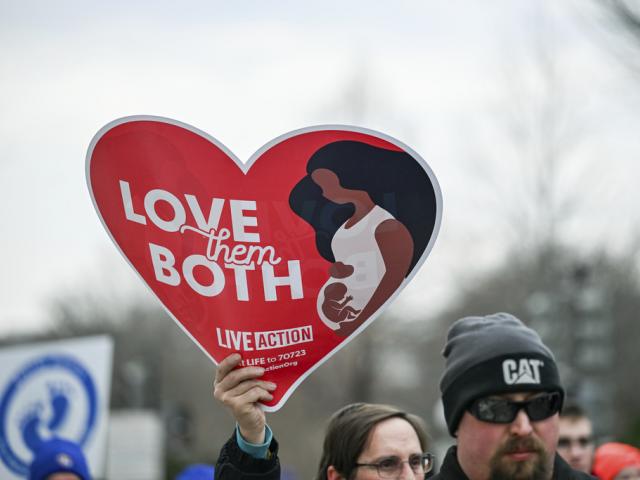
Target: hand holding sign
x: 283, y: 258
x: 240, y: 390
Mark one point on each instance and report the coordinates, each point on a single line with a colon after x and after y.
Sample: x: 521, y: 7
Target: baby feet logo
x: 51, y: 396
x: 284, y: 258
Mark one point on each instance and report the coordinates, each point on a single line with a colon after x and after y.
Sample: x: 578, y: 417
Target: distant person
x: 501, y: 394
x: 59, y: 459
x: 575, y: 443
x: 363, y: 441
x: 617, y: 461
x: 197, y: 472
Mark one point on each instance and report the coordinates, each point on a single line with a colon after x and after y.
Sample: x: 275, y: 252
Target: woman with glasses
x: 363, y: 441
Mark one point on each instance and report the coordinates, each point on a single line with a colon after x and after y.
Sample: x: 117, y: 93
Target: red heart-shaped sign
x: 284, y: 258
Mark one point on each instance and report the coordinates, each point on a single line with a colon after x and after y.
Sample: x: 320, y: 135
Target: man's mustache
x: 520, y: 445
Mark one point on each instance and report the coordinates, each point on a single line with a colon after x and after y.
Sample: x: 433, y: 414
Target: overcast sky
x: 440, y: 76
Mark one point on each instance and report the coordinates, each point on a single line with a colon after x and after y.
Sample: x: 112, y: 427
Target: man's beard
x: 534, y: 468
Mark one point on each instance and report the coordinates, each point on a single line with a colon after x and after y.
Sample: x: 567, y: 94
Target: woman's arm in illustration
x: 396, y: 247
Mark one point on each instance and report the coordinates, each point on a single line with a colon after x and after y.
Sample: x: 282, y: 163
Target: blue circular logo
x: 53, y: 395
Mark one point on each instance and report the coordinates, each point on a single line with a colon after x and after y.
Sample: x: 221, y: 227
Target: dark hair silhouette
x: 393, y: 179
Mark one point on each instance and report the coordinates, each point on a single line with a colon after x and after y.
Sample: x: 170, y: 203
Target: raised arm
x: 240, y: 390
x: 251, y: 453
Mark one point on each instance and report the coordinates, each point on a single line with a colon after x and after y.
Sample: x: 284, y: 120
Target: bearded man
x: 502, y: 397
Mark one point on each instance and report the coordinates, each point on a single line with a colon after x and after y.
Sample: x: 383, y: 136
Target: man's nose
x: 575, y: 449
x: 521, y: 425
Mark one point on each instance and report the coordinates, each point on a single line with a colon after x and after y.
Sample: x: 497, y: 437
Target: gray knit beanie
x: 490, y: 355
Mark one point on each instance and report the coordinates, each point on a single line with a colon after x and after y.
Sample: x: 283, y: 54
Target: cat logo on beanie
x: 522, y: 371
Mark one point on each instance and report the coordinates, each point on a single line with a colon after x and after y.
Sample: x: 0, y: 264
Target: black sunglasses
x: 501, y: 410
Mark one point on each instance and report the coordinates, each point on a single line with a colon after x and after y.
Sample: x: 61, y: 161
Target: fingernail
x: 271, y: 385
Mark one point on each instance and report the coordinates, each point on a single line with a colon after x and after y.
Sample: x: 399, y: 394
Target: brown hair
x: 349, y: 429
x: 573, y: 412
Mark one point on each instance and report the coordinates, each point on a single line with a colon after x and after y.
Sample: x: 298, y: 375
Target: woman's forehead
x: 323, y: 172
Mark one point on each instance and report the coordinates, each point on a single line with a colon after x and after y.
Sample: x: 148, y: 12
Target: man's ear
x: 333, y: 474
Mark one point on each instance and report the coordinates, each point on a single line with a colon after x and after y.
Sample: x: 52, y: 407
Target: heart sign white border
x: 284, y: 258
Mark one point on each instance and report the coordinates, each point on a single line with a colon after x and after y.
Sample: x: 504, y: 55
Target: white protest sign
x: 54, y: 389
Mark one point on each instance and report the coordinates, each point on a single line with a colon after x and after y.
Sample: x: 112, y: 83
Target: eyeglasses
x: 501, y: 410
x: 567, y: 442
x: 391, y: 467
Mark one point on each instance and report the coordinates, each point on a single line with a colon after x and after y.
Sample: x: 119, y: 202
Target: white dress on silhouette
x: 357, y: 246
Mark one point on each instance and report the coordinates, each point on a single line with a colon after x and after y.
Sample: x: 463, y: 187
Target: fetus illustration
x: 335, y: 306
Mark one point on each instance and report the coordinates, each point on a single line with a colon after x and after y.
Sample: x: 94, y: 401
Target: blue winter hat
x: 58, y: 456
x: 197, y: 472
